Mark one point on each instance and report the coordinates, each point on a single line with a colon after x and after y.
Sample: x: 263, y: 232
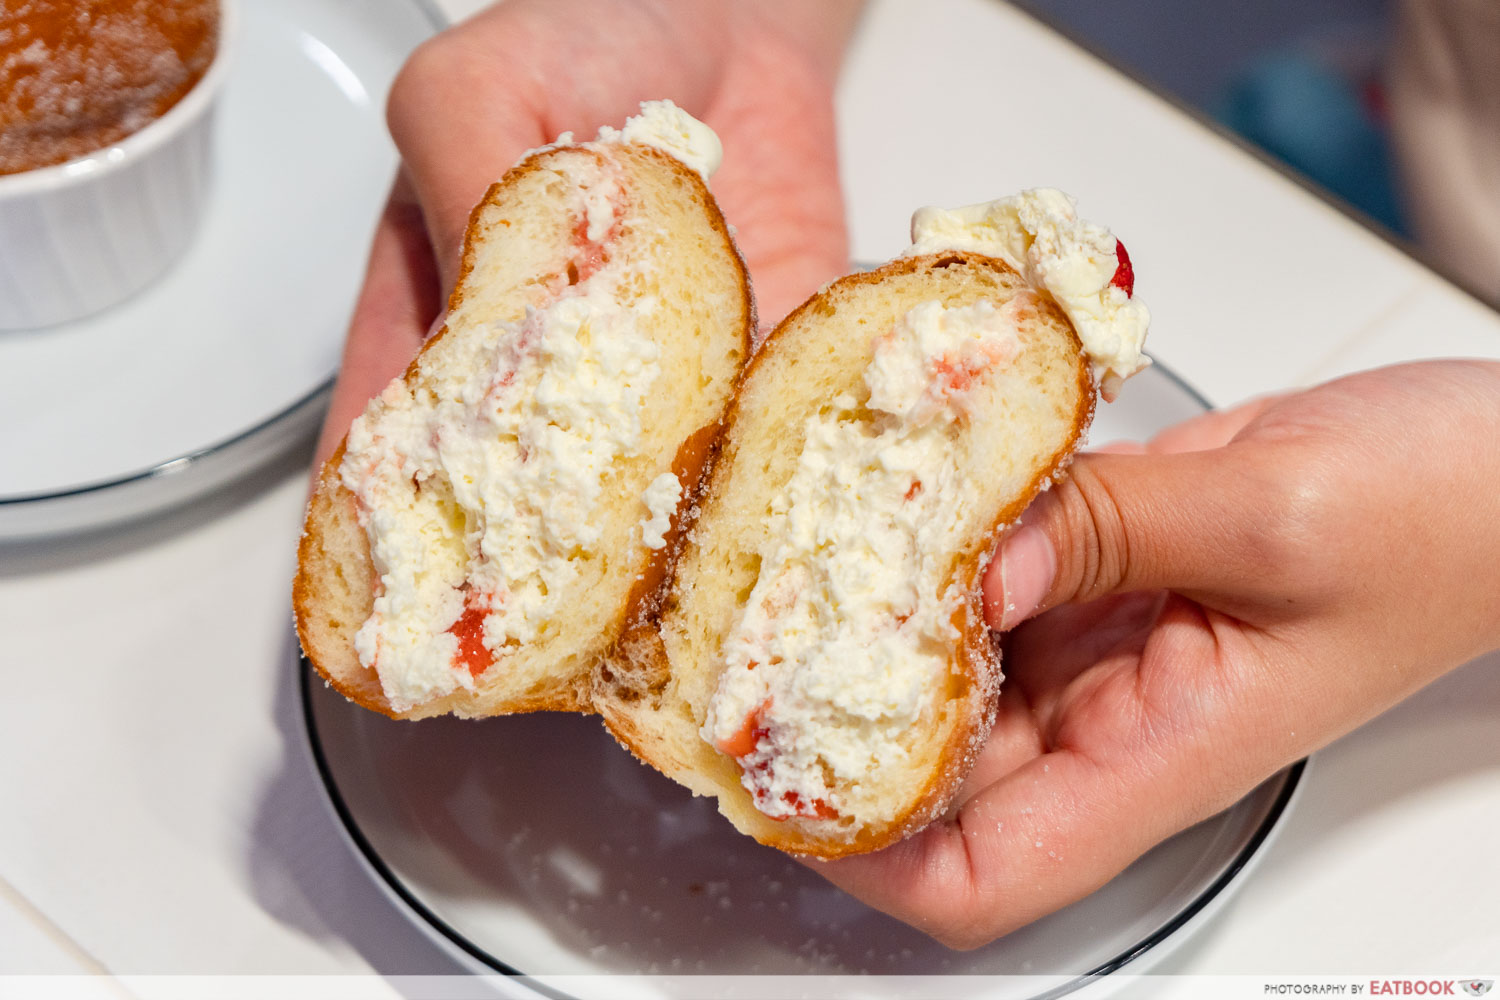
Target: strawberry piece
x: 745, y: 739
x: 817, y: 808
x: 1124, y: 278
x: 589, y: 256
x: 472, y: 653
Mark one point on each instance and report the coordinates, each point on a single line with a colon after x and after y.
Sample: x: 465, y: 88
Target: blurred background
x: 1301, y: 81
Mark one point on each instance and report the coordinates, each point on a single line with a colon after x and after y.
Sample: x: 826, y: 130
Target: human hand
x: 1227, y: 599
x: 472, y: 99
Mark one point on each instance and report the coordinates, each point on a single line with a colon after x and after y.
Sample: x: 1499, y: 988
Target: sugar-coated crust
x: 324, y: 556
x: 976, y: 672
x: 334, y: 588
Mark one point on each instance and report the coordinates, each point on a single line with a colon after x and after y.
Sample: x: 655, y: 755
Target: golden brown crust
x: 323, y: 563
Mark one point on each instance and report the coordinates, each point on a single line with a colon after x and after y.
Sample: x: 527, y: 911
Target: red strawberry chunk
x: 472, y: 653
x: 747, y: 741
x: 1124, y: 278
x: 743, y: 741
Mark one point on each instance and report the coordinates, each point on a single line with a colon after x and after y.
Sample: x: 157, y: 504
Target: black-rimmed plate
x: 534, y: 847
x: 225, y: 362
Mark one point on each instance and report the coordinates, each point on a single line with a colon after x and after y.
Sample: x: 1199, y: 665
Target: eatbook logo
x: 1477, y: 987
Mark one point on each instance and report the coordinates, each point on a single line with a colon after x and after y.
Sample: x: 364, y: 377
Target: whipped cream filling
x: 672, y: 130
x: 664, y: 126
x: 846, y: 634
x: 661, y: 499
x: 1078, y: 264
x: 502, y: 477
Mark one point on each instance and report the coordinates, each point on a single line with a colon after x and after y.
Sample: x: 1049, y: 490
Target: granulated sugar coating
x: 79, y: 75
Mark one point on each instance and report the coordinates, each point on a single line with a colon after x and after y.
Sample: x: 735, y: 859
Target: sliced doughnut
x: 821, y: 660
x: 490, y: 523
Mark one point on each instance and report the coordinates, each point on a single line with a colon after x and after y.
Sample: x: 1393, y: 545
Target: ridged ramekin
x: 81, y: 236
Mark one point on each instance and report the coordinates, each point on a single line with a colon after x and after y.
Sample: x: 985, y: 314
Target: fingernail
x: 1027, y: 568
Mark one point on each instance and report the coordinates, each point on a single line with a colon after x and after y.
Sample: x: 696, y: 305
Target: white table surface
x: 160, y: 811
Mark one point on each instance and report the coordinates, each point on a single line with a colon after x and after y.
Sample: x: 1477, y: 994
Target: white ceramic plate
x: 228, y: 360
x: 535, y: 845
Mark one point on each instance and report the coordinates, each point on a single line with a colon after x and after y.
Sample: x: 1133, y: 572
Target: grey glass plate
x: 534, y: 848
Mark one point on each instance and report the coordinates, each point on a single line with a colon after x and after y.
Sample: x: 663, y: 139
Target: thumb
x: 1200, y: 523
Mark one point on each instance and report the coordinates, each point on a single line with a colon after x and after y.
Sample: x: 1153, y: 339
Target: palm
x: 1132, y: 690
x: 779, y: 187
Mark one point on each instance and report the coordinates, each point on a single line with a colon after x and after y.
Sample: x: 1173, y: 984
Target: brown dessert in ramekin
x: 80, y: 75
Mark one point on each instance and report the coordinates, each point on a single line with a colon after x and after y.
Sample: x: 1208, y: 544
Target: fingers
x: 1123, y: 523
x: 1020, y: 583
x: 1288, y: 557
x: 1213, y: 429
x: 1211, y: 523
x: 1048, y: 833
x: 1013, y: 740
x: 397, y: 304
x: 1054, y: 649
x: 1022, y: 577
x: 1311, y: 500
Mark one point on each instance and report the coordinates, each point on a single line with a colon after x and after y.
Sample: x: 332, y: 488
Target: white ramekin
x: 84, y: 235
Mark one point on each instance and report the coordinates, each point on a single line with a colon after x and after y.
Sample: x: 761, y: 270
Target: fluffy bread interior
x: 1021, y: 422
x: 617, y: 224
